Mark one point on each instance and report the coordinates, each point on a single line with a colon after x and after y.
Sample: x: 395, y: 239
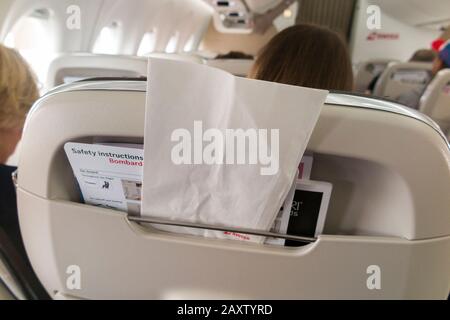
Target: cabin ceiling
x: 431, y: 14
x: 420, y: 13
x: 261, y: 6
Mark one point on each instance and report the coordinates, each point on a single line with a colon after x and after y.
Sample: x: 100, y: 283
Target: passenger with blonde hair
x: 18, y: 92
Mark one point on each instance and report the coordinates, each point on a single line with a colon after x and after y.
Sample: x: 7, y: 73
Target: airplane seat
x: 237, y: 67
x: 187, y: 57
x: 70, y: 67
x: 5, y: 294
x: 436, y: 100
x: 401, y: 78
x: 388, y: 212
x: 17, y: 278
x: 367, y: 71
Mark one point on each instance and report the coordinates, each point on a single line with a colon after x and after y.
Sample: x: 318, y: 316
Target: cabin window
x: 30, y: 36
x: 108, y: 40
x: 189, y: 46
x: 147, y: 44
x: 173, y: 42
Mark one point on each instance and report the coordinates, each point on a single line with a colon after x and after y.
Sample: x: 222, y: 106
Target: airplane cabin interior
x: 241, y: 149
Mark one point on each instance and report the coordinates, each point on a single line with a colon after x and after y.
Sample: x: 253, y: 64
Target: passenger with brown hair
x: 308, y: 56
x: 18, y: 92
x: 423, y: 55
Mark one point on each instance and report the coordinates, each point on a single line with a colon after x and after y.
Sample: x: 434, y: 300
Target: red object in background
x: 437, y: 44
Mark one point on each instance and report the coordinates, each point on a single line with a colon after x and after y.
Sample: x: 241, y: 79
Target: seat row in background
x: 70, y: 67
x: 397, y: 79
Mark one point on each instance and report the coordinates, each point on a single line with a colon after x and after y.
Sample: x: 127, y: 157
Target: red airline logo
x: 382, y: 36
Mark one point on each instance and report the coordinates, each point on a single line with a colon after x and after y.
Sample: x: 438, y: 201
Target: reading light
x: 287, y: 13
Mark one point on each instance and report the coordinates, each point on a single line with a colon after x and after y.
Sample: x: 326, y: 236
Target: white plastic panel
x: 119, y: 260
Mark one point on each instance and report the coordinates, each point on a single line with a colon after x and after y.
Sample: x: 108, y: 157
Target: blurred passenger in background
x: 440, y: 61
x: 307, y: 56
x: 422, y: 55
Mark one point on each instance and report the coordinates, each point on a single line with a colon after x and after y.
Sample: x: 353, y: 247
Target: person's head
x: 18, y: 92
x: 307, y: 56
x: 235, y: 55
x: 442, y: 61
x: 423, y: 55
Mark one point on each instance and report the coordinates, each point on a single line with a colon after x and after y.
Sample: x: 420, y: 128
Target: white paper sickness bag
x: 221, y: 150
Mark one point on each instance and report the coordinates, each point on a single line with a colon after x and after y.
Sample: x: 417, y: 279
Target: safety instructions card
x: 110, y: 175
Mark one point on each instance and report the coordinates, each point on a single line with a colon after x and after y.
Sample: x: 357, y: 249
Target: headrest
x: 401, y: 77
x: 436, y: 99
x: 70, y: 67
x: 177, y: 57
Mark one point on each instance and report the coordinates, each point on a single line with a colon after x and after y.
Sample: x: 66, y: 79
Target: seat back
x: 367, y: 71
x: 70, y: 67
x: 385, y: 203
x: 187, y: 57
x: 402, y: 78
x: 436, y: 100
x: 237, y: 67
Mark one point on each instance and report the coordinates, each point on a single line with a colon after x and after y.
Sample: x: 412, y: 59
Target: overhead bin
x: 389, y: 211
